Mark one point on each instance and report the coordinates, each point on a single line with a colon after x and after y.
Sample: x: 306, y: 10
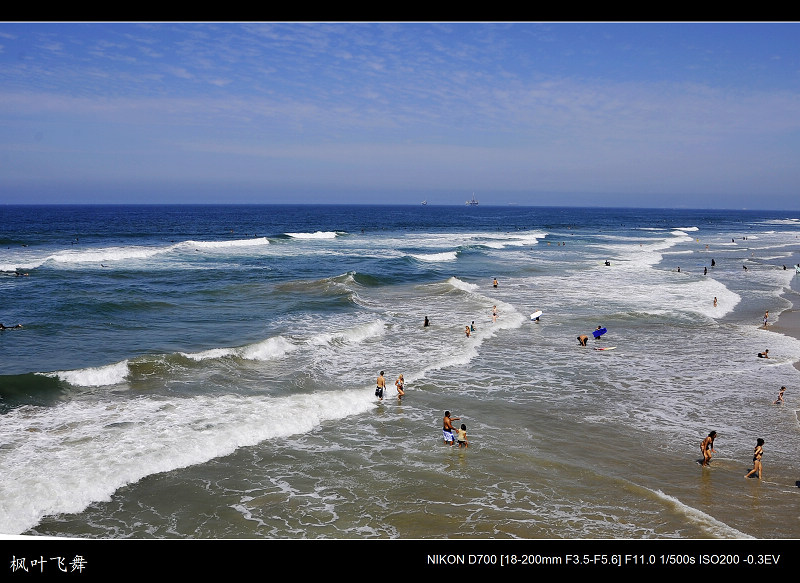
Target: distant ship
x: 472, y: 202
x: 424, y: 202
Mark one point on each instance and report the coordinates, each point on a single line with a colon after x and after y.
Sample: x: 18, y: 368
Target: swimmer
x: 400, y: 383
x: 4, y: 327
x: 426, y: 323
x: 466, y: 331
x: 715, y: 301
x: 780, y: 396
x: 583, y: 339
x: 707, y: 447
x: 472, y: 326
x: 764, y: 354
x: 757, y: 453
x: 494, y: 283
x: 494, y: 314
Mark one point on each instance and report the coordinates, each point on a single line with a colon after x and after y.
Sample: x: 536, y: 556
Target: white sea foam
x: 100, y: 376
x: 356, y: 334
x: 315, y: 235
x: 225, y: 245
x: 269, y: 349
x: 119, y: 442
x: 714, y: 527
x: 435, y: 257
x: 462, y: 285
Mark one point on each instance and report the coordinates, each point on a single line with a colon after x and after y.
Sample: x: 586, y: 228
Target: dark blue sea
x: 209, y: 372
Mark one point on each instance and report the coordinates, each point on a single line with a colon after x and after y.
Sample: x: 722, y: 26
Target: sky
x: 686, y: 115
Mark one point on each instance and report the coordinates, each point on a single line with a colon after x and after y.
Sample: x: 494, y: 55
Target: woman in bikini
x: 707, y: 447
x: 757, y: 453
x: 399, y: 384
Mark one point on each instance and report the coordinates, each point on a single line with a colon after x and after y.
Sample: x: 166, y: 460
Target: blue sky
x: 608, y: 114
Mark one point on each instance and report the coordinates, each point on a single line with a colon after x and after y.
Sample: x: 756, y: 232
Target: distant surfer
x: 400, y: 383
x: 426, y: 323
x: 608, y: 263
x: 447, y: 428
x: 381, y: 382
x: 583, y: 339
x: 713, y: 263
x: 757, y: 453
x: 705, y: 271
x: 766, y: 318
x: 4, y: 327
x: 764, y: 354
x: 472, y: 326
x: 780, y: 397
x: 707, y: 447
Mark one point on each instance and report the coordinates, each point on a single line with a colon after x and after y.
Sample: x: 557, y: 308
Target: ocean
x: 208, y: 372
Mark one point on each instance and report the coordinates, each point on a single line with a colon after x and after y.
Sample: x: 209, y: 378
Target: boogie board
x: 606, y: 348
x: 535, y: 315
x: 599, y: 333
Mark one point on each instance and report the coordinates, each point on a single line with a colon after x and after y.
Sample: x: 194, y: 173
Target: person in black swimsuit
x: 707, y: 447
x: 757, y: 453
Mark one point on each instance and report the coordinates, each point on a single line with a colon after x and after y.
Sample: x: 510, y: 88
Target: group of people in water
x: 707, y: 446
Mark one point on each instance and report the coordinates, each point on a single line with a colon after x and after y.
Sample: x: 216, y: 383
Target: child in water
x: 462, y: 436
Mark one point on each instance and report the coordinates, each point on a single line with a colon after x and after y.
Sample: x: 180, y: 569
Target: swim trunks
x: 379, y: 392
x: 448, y: 436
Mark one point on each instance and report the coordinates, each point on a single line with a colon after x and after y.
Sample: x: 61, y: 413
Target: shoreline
x: 788, y: 321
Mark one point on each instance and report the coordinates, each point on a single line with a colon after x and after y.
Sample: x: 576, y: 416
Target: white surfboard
x: 606, y: 348
x: 535, y: 315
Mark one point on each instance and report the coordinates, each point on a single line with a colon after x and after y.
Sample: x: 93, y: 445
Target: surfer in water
x: 426, y: 323
x: 764, y: 354
x: 707, y: 448
x: 780, y: 396
x: 4, y: 327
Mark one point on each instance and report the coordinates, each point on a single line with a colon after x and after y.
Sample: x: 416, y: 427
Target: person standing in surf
x: 381, y: 382
x: 766, y: 318
x: 494, y: 314
x: 447, y: 428
x: 780, y: 397
x: 757, y: 453
x: 707, y: 447
x: 399, y: 383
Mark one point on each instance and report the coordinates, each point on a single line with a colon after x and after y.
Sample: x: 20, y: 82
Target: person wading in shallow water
x: 447, y: 428
x: 707, y: 447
